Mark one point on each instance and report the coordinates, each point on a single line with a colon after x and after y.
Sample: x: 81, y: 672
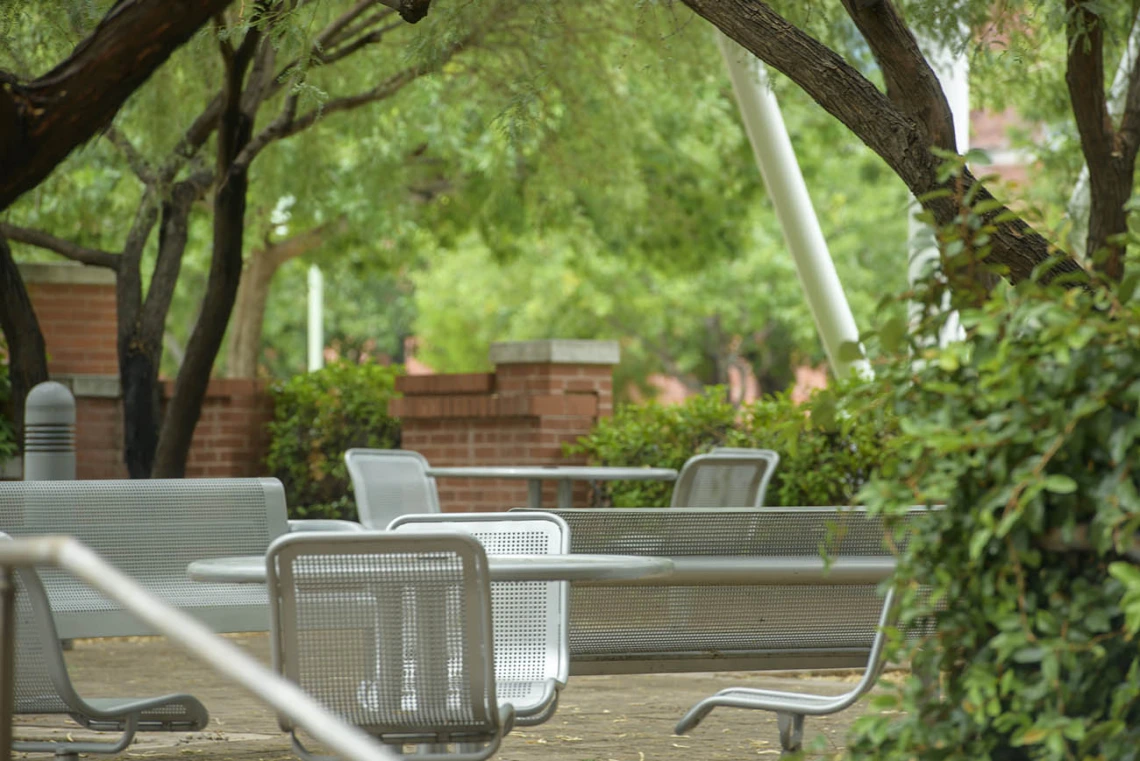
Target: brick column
x: 75, y: 306
x: 541, y: 395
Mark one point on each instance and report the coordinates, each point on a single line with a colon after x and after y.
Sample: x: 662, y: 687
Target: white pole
x: 777, y: 161
x: 1079, y: 200
x: 316, y: 318
x: 953, y: 72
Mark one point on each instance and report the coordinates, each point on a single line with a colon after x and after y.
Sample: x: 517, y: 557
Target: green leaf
x: 1059, y: 483
x: 850, y: 351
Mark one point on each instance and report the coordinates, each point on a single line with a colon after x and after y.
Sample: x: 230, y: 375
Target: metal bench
x: 750, y: 591
x: 151, y: 529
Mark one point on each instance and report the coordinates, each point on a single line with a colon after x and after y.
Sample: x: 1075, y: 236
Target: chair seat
x: 167, y: 712
x: 776, y: 700
x: 528, y: 698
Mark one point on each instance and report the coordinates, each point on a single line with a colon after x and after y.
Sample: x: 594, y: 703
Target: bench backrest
x: 638, y: 628
x: 151, y: 530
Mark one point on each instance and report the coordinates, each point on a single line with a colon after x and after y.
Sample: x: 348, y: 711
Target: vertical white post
x: 954, y: 73
x: 777, y: 161
x: 316, y: 318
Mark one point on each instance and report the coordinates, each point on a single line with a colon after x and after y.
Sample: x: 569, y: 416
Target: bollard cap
x: 49, y: 403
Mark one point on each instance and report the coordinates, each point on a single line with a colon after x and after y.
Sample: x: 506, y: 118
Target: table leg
x: 565, y: 494
x: 534, y: 492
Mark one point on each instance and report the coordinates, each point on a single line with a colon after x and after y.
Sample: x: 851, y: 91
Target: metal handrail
x: 76, y: 558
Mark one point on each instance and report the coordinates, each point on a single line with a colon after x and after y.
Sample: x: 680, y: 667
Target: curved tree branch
x: 48, y: 242
x: 287, y: 124
x: 43, y: 120
x: 884, y: 127
x: 911, y: 83
x: 142, y: 169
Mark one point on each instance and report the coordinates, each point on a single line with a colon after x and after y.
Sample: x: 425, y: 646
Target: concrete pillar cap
x: 558, y: 351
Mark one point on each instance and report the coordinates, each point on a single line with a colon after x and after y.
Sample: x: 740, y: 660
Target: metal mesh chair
x: 532, y: 650
x: 42, y: 686
x: 389, y: 483
x: 725, y: 478
x: 393, y: 634
x: 792, y: 707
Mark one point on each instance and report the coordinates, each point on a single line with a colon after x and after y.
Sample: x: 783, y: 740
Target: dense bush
x: 828, y: 446
x: 1027, y: 431
x: 317, y: 416
x: 8, y: 443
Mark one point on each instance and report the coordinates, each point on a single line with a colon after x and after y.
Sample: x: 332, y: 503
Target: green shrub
x: 828, y: 446
x: 1028, y: 432
x: 319, y: 415
x: 655, y: 435
x: 8, y: 443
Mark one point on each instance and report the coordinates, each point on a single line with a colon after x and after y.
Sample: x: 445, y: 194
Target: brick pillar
x: 541, y: 395
x: 75, y: 306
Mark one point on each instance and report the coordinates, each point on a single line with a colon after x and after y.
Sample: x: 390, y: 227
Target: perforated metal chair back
x: 389, y: 483
x: 725, y: 479
x: 532, y: 653
x: 42, y: 685
x: 38, y: 653
x: 392, y: 633
x: 151, y: 530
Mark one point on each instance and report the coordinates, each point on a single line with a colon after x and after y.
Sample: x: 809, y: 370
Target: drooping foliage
x: 1026, y: 433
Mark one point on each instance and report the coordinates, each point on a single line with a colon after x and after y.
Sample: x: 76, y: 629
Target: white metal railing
x: 77, y: 559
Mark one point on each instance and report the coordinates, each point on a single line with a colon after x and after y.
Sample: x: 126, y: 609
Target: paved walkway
x: 626, y: 718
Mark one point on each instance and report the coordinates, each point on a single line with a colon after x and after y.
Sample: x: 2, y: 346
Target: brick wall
x: 541, y: 395
x: 75, y: 306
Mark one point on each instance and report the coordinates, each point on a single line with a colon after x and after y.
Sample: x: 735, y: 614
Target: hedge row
x: 828, y: 446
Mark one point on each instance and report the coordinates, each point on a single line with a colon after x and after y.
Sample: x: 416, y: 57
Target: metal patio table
x: 586, y: 569
x: 563, y: 474
x: 621, y: 569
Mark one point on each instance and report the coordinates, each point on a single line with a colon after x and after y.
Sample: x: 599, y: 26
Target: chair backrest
x: 531, y: 627
x: 42, y: 684
x: 725, y: 479
x: 151, y: 529
x: 389, y: 483
x: 390, y: 632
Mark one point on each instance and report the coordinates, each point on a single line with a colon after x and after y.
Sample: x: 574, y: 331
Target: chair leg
x: 791, y: 731
x: 69, y: 751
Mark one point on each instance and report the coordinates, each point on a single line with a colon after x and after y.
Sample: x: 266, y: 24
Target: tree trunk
x: 142, y: 324
x: 253, y: 293
x: 27, y: 357
x: 43, y: 120
x: 235, y: 128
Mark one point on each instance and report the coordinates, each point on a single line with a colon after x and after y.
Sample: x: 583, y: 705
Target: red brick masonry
x: 521, y: 414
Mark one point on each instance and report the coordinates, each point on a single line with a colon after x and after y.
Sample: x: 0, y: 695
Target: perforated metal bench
x: 151, y: 530
x: 714, y: 613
